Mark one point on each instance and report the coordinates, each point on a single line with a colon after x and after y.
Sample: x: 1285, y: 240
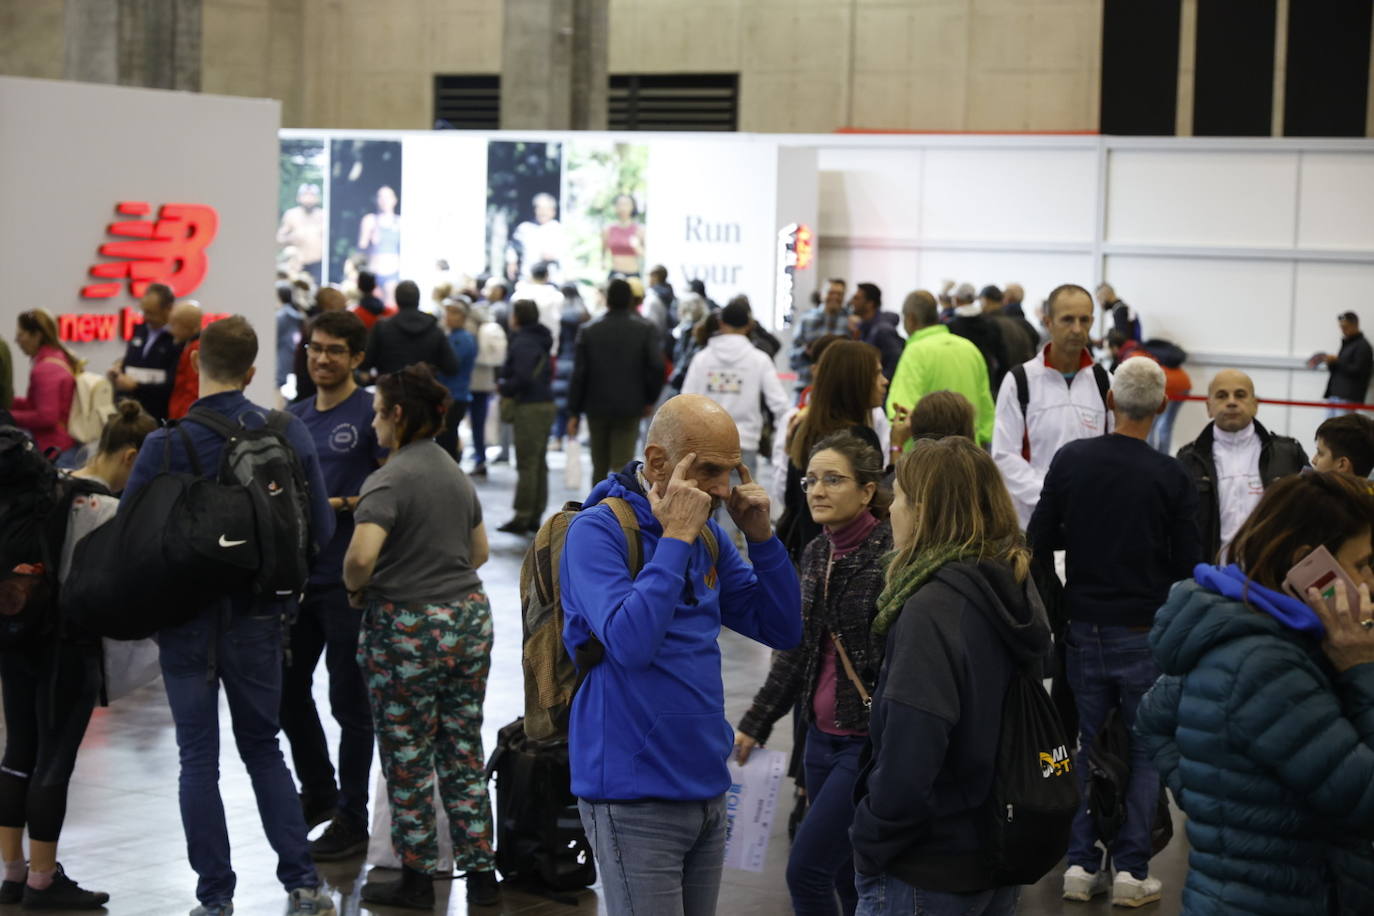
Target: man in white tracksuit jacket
x: 734, y: 373
x: 1066, y: 401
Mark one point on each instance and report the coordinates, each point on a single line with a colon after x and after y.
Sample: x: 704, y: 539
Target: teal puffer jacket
x: 1270, y: 753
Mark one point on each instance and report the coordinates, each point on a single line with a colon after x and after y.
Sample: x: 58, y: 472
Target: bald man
x: 1234, y: 460
x: 185, y: 323
x: 648, y: 737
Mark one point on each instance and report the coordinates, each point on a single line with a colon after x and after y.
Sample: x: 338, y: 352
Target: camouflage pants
x: 426, y: 667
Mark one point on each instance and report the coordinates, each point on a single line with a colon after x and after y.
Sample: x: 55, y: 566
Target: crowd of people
x: 955, y: 502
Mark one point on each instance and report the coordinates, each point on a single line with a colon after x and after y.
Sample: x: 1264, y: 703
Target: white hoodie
x: 733, y: 372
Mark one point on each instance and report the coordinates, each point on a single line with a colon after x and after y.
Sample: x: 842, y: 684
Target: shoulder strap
x: 278, y: 421
x: 1104, y: 383
x: 1018, y: 372
x: 712, y: 546
x: 629, y: 524
x: 216, y: 423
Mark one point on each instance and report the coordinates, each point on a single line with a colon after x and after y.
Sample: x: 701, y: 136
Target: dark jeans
x: 531, y: 430
x: 613, y: 442
x: 822, y: 861
x: 477, y: 419
x: 327, y: 625
x: 248, y: 661
x: 1111, y: 668
x: 888, y: 896
x: 448, y: 435
x: 45, y: 721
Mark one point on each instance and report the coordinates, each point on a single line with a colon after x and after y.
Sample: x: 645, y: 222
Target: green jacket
x: 936, y: 360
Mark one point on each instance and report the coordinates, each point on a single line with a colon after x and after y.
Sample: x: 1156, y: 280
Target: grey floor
x: 123, y: 833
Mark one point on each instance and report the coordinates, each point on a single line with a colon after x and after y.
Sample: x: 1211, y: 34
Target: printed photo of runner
x: 604, y: 209
x: 365, y: 213
x: 300, y: 208
x: 524, y: 184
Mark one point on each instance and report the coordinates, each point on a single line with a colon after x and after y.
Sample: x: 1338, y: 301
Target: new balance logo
x: 168, y: 249
x: 225, y: 542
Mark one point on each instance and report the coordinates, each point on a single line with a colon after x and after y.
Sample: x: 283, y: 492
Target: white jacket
x: 1058, y: 413
x: 491, y: 355
x: 733, y: 372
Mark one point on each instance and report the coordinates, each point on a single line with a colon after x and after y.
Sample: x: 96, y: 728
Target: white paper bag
x: 129, y: 665
x: 750, y: 805
x: 381, y: 853
x: 572, y: 472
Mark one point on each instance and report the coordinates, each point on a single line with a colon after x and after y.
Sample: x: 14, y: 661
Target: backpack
x: 35, y: 503
x: 1018, y: 373
x: 551, y: 677
x: 1034, y: 798
x: 261, y: 460
x: 177, y: 544
x: 92, y: 405
x: 1169, y: 354
x: 1109, y: 775
x: 540, y: 842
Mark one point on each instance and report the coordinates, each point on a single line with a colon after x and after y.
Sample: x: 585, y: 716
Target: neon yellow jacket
x: 936, y: 360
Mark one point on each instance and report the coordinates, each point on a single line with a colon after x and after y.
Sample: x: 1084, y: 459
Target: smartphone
x: 1319, y: 570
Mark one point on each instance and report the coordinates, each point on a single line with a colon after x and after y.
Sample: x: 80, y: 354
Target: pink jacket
x: 43, y: 411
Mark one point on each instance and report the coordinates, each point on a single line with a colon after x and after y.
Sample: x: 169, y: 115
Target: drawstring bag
x: 572, y: 471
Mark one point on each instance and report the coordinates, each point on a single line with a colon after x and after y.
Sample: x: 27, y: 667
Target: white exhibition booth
x: 1241, y: 251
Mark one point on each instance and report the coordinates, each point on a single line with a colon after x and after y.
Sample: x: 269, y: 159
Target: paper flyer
x: 750, y: 803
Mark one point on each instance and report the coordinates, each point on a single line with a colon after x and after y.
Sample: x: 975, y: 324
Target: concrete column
x: 152, y: 43
x: 553, y: 64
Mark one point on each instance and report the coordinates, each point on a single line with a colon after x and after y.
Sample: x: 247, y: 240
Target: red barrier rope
x: 1324, y: 404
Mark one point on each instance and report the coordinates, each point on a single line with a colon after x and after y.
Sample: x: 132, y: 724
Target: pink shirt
x: 44, y: 409
x: 842, y: 542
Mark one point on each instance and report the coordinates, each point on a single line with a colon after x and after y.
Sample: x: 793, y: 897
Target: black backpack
x: 176, y: 545
x: 1109, y: 775
x: 35, y: 504
x: 261, y: 460
x: 1034, y: 792
x: 1169, y: 354
x: 540, y: 843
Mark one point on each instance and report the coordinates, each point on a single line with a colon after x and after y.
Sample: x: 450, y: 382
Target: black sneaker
x: 342, y: 839
x: 11, y: 891
x: 317, y: 812
x: 63, y: 894
x: 413, y: 890
x: 483, y: 890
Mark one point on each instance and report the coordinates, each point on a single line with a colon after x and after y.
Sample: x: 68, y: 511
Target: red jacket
x: 186, y: 385
x: 369, y: 317
x: 44, y: 409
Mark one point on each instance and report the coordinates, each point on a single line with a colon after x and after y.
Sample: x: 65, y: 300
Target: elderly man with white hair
x: 1125, y: 515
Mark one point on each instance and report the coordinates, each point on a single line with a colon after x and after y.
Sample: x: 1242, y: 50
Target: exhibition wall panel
x: 70, y: 153
x: 1030, y: 195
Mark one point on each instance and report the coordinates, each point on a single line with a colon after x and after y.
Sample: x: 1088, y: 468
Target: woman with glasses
x: 849, y: 391
x: 1263, y: 723
x: 833, y: 669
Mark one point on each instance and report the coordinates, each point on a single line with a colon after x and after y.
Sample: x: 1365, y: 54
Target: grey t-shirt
x: 428, y: 507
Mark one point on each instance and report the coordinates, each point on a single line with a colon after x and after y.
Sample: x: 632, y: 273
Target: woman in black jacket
x: 527, y: 404
x: 833, y: 670
x: 961, y: 618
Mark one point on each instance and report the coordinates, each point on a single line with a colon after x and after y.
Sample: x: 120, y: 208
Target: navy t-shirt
x: 348, y: 451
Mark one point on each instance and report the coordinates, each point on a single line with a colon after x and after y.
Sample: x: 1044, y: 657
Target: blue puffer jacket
x: 1268, y: 750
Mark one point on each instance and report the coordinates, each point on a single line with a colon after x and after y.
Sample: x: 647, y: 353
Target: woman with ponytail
x: 44, y: 409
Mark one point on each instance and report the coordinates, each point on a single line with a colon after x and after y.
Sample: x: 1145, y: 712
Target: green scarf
x: 904, y: 584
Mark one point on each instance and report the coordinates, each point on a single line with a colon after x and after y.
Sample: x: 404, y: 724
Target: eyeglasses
x: 829, y: 481
x: 333, y: 351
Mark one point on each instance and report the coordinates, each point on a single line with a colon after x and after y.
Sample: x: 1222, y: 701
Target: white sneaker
x: 1128, y: 890
x: 1083, y: 885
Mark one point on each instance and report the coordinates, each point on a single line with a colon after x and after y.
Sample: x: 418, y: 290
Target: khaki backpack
x: 551, y: 676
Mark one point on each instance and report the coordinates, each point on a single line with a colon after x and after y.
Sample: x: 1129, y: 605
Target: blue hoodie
x: 1287, y: 610
x: 649, y: 721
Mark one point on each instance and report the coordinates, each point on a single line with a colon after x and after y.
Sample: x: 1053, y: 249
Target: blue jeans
x: 1112, y: 668
x: 1335, y: 411
x: 248, y: 661
x: 888, y: 896
x: 1161, y: 436
x: 657, y: 858
x: 822, y: 861
x: 477, y: 419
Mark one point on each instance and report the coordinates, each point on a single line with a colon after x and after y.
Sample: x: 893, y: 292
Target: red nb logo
x: 169, y: 249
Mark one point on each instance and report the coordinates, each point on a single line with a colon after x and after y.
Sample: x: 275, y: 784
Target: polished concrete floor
x: 123, y: 832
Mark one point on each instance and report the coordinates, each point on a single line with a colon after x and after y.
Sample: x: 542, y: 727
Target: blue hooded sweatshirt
x: 1287, y: 610
x: 649, y: 721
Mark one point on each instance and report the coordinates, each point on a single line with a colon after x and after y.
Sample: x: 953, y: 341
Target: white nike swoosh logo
x: 227, y: 543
